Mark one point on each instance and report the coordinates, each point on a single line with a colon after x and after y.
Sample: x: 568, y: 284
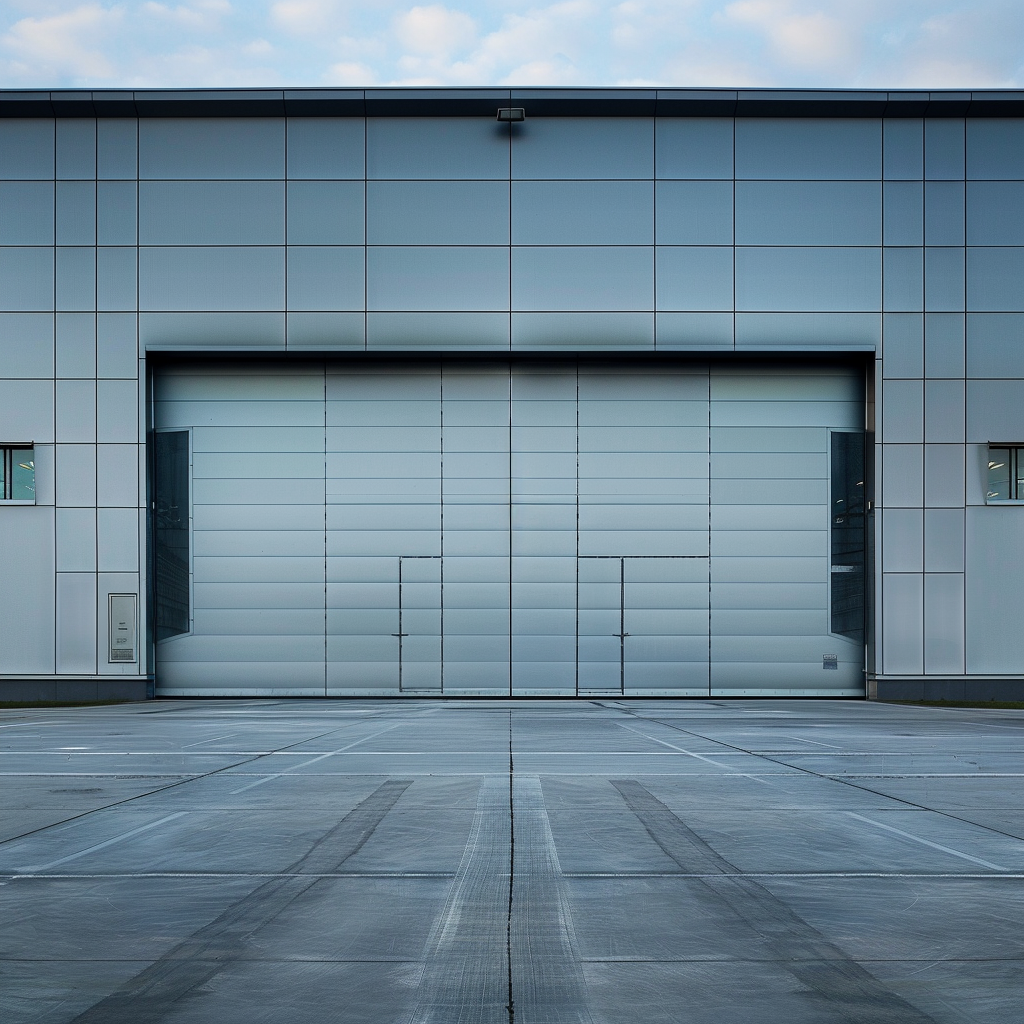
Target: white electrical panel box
x: 123, y: 619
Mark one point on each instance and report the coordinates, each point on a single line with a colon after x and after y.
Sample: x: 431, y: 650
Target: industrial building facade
x: 530, y: 393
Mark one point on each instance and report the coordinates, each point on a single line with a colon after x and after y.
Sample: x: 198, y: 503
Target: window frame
x: 1016, y: 460
x: 7, y: 450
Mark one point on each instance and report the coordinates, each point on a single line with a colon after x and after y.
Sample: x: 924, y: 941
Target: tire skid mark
x: 846, y: 991
x: 155, y: 991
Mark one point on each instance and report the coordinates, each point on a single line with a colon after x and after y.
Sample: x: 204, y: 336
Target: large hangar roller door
x: 485, y: 528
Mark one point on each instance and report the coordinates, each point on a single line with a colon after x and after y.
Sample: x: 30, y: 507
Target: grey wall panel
x: 26, y: 410
x: 437, y: 213
x: 993, y: 279
x: 944, y: 475
x: 26, y: 278
x: 170, y: 331
x: 903, y: 540
x: 582, y: 331
x: 76, y: 541
x: 117, y: 346
x: 769, y: 438
x: 993, y: 410
x: 943, y: 540
x: 944, y: 213
x: 903, y: 623
x: 944, y: 410
x: 994, y: 588
x: 808, y: 213
x: 325, y: 213
x: 944, y: 279
x: 437, y: 278
x: 117, y: 416
x: 903, y: 147
x: 583, y: 278
x: 74, y: 344
x: 117, y: 475
x: 211, y: 147
x: 76, y: 148
x: 279, y: 466
x: 694, y: 213
x: 75, y: 278
x: 588, y: 147
x: 582, y: 213
x: 76, y: 622
x: 75, y: 409
x: 259, y: 595
x: 211, y: 213
x: 116, y: 278
x: 76, y: 213
x: 769, y: 465
x: 694, y: 277
x: 262, y: 543
x: 27, y: 148
x: 117, y: 213
x: 769, y: 622
x: 995, y: 148
x: 26, y: 213
x: 903, y: 405
x: 808, y: 331
x: 811, y: 278
x: 257, y: 569
x: 76, y: 475
x: 326, y: 147
x: 28, y: 344
x: 902, y: 476
x: 117, y: 540
x: 944, y: 623
x: 694, y: 147
x: 944, y: 344
x: 436, y: 147
x: 231, y: 517
x: 326, y: 277
x: 802, y: 148
x: 903, y: 205
x: 902, y: 279
x: 775, y: 543
x: 694, y: 331
x: 27, y: 625
x: 326, y: 331
x: 117, y: 140
x: 994, y: 345
x: 250, y: 438
x: 944, y: 147
x: 211, y: 278
x: 261, y: 622
x: 810, y: 596
x: 903, y: 345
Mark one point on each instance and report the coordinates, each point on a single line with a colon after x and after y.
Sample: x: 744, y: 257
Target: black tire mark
x: 151, y: 994
x: 846, y: 991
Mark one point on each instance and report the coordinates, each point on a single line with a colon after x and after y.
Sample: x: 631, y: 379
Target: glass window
x: 1005, y: 473
x: 171, y: 532
x: 848, y: 535
x: 17, y: 473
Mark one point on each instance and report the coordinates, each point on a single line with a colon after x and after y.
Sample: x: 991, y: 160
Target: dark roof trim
x: 429, y: 102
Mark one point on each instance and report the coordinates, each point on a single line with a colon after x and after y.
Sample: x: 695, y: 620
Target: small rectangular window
x: 17, y: 473
x: 1005, y: 473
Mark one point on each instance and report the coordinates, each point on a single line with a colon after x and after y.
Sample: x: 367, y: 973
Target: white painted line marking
x: 32, y: 868
x: 928, y: 842
x: 700, y: 757
x: 296, y: 767
x: 212, y: 739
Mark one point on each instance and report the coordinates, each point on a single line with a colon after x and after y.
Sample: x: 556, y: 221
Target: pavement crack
x: 510, y: 1006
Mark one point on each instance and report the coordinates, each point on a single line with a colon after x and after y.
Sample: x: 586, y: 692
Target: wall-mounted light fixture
x: 511, y: 114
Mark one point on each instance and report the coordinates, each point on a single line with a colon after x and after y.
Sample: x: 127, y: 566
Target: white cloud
x: 435, y: 31
x: 801, y: 38
x: 827, y: 43
x: 66, y: 45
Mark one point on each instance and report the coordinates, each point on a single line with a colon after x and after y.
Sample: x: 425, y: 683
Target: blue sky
x: 828, y: 43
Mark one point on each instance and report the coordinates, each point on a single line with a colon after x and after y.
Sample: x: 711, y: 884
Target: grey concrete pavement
x: 528, y: 862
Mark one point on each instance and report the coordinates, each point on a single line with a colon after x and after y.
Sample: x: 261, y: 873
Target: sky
x: 743, y: 43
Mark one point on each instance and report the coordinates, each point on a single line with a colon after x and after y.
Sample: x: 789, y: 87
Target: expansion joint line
x: 510, y: 1006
